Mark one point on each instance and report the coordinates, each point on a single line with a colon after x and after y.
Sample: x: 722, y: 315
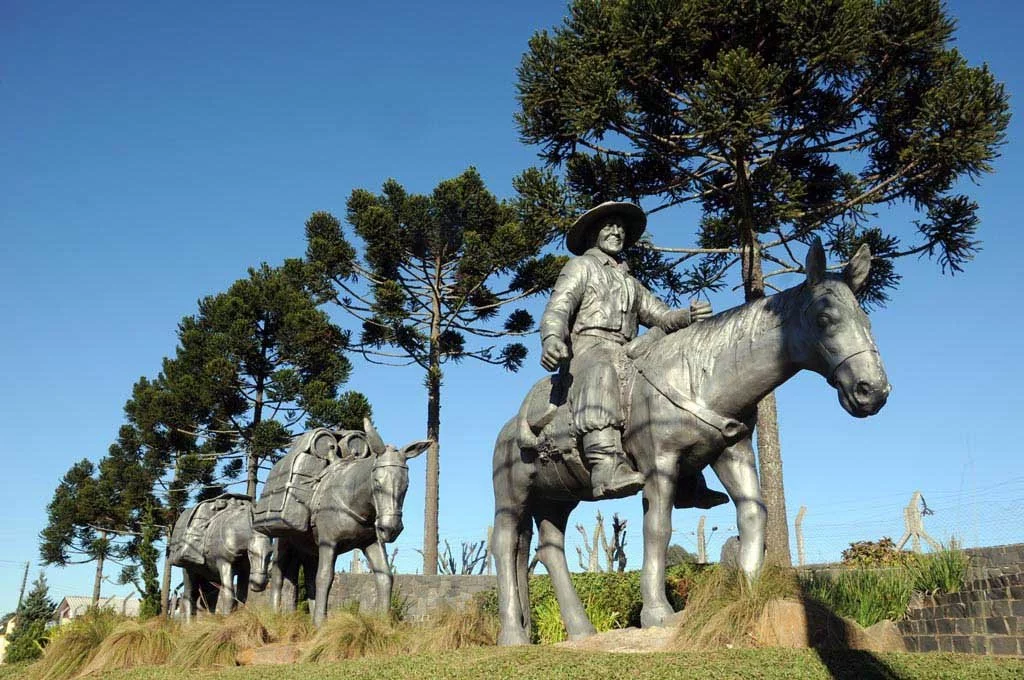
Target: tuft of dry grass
x: 217, y: 640
x: 73, y: 644
x: 296, y: 626
x: 135, y: 644
x: 350, y: 635
x: 454, y: 628
x: 723, y: 608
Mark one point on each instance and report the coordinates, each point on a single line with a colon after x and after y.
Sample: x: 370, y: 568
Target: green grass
x: 536, y: 663
x: 870, y: 594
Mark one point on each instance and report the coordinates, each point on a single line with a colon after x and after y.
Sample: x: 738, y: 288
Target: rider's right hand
x: 553, y: 352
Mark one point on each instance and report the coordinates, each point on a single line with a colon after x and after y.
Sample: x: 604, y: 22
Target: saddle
x: 544, y: 424
x: 287, y: 503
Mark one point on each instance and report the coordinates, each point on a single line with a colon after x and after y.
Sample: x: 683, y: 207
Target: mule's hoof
x: 582, y: 635
x: 654, y: 617
x: 513, y: 638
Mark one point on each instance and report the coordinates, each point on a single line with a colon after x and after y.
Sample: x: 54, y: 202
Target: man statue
x: 595, y: 308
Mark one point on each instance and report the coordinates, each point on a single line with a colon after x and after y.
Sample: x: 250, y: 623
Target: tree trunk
x: 431, y: 508
x: 769, y: 450
x: 769, y: 454
x: 98, y: 580
x: 433, y: 492
x: 165, y: 581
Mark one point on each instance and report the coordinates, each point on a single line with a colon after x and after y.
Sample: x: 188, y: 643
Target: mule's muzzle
x: 258, y: 581
x: 389, y: 527
x: 862, y: 385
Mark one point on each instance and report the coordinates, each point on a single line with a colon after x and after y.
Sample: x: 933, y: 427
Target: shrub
x: 27, y: 646
x: 881, y: 553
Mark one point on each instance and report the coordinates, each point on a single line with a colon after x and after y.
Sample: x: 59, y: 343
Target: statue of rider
x: 595, y: 308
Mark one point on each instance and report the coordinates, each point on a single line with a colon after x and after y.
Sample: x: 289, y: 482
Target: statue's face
x: 611, y: 237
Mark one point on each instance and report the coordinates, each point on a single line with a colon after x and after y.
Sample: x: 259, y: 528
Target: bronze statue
x: 353, y: 502
x: 689, y: 400
x: 213, y: 543
x: 594, y: 310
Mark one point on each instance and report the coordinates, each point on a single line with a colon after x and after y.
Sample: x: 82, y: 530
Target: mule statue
x: 689, y: 400
x: 354, y: 501
x: 213, y: 543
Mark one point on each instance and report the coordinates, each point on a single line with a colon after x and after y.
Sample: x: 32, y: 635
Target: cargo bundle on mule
x: 288, y: 498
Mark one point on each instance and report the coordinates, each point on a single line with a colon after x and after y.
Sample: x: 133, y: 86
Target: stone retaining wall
x: 985, y: 618
x: 421, y: 594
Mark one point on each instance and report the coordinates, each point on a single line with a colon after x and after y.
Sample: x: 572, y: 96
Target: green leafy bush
x: 881, y: 553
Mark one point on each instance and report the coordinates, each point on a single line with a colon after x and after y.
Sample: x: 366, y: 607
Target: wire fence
x: 916, y: 520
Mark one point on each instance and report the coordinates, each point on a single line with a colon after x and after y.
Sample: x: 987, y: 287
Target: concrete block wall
x: 422, y: 594
x: 987, y: 617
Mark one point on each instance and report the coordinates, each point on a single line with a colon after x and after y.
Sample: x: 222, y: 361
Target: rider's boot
x: 693, y: 492
x: 610, y: 475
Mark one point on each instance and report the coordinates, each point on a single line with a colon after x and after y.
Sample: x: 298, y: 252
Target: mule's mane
x: 702, y: 344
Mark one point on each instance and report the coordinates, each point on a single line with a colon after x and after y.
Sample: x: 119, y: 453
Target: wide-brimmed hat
x: 634, y: 221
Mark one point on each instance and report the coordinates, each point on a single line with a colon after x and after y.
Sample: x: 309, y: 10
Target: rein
x: 731, y: 429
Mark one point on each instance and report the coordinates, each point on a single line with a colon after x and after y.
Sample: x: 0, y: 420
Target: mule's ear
x: 856, y: 272
x: 815, y: 263
x: 372, y: 438
x: 416, y: 448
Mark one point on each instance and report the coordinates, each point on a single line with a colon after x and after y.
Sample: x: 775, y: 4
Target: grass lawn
x: 546, y: 662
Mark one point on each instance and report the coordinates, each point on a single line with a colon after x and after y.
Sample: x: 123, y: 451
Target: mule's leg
x: 523, y: 569
x: 378, y: 561
x: 324, y: 576
x: 277, y: 577
x: 552, y: 518
x: 242, y: 581
x: 659, y: 494
x: 189, y: 591
x: 506, y: 540
x: 736, y: 470
x: 226, y: 597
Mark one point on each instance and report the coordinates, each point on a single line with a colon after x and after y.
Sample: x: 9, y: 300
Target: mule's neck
x: 356, y: 488
x: 747, y: 360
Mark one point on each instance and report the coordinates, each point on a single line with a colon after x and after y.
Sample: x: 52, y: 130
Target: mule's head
x: 834, y: 337
x: 389, y: 481
x: 261, y: 548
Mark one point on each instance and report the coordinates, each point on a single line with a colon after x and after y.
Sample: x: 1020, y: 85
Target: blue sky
x: 149, y: 155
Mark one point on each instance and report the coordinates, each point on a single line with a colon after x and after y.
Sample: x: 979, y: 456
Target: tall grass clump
x: 454, y: 628
x: 294, y: 626
x: 723, y: 608
x: 869, y: 595
x: 941, y: 571
x: 865, y: 595
x: 350, y: 635
x: 217, y: 640
x: 73, y: 644
x: 135, y: 643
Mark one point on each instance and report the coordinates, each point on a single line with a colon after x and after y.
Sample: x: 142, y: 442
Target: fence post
x: 914, y: 525
x: 799, y: 525
x: 702, y: 546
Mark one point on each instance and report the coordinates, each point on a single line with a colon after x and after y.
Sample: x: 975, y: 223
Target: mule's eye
x: 824, y: 321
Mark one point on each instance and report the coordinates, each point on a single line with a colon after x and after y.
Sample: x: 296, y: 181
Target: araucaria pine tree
x: 780, y: 120
x: 436, y: 271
